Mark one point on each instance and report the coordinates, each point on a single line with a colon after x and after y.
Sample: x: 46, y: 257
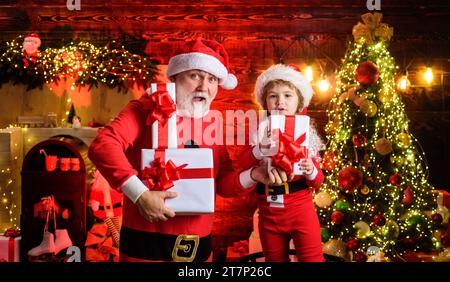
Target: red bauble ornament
x: 408, y: 196
x: 337, y: 217
x: 367, y: 73
x: 328, y: 161
x: 436, y: 217
x: 353, y: 244
x: 395, y: 179
x: 360, y: 257
x: 379, y: 220
x: 359, y: 140
x: 408, y: 243
x: 350, y: 178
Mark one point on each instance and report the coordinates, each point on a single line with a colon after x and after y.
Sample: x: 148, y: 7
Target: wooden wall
x: 256, y: 35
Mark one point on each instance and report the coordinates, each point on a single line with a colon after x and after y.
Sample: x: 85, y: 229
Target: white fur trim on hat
x: 285, y: 73
x: 204, y: 62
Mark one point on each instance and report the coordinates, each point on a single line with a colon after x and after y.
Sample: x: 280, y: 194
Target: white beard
x: 187, y: 108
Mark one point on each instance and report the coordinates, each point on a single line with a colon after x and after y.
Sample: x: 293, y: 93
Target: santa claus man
x: 150, y: 230
x: 30, y: 49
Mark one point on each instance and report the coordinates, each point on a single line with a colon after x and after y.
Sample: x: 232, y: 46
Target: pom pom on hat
x: 288, y: 73
x: 205, y: 55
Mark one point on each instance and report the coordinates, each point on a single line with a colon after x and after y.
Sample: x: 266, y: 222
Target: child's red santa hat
x: 205, y: 55
x: 287, y: 73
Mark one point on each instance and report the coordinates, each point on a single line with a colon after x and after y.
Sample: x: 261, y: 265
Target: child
x: 286, y: 209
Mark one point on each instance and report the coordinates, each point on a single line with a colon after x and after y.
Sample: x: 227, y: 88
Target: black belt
x: 115, y: 206
x: 286, y: 188
x: 165, y: 247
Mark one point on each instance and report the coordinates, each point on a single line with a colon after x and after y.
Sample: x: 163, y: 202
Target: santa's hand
x: 151, y: 205
x: 277, y: 176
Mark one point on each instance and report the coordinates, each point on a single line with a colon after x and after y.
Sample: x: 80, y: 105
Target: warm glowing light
x: 429, y: 75
x: 69, y: 100
x: 309, y: 73
x: 323, y: 85
x: 404, y: 83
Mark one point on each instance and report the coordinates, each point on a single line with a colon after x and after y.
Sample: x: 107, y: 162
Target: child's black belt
x: 286, y: 188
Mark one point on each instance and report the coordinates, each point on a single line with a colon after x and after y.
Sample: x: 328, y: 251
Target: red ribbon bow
x: 289, y: 151
x: 162, y: 107
x: 12, y: 233
x: 160, y: 176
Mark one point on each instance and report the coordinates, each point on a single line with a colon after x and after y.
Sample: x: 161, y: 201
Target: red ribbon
x: 12, y: 234
x: 289, y: 151
x: 160, y: 175
x: 161, y: 105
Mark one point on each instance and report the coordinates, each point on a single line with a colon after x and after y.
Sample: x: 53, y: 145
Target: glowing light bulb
x: 323, y: 85
x: 309, y: 73
x: 429, y: 75
x: 403, y: 84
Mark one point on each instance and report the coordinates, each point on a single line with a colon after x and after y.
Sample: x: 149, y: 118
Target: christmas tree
x: 375, y: 201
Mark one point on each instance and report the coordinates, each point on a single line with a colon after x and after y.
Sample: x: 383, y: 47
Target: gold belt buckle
x: 267, y: 190
x: 286, y: 188
x: 186, y: 248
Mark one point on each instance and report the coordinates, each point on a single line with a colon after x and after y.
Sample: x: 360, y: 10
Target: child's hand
x: 307, y: 166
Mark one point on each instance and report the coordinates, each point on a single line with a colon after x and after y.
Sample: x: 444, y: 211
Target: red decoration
x: 353, y: 244
x: 408, y: 196
x: 360, y: 257
x: 437, y: 217
x: 350, y: 178
x: 160, y: 176
x: 162, y: 106
x: 395, y: 179
x: 408, y: 243
x: 240, y: 247
x: 289, y: 152
x: 328, y: 161
x: 337, y: 217
x: 379, y: 220
x: 359, y: 140
x: 367, y: 73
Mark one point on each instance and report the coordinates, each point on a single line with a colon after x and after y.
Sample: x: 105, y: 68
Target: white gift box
x: 9, y: 249
x: 296, y: 127
x: 195, y: 188
x: 167, y: 132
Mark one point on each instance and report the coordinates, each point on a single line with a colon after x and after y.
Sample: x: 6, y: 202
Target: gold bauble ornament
x: 323, y: 199
x: 403, y: 140
x: 365, y: 190
x: 369, y: 108
x: 389, y: 231
x: 337, y: 248
x: 362, y: 229
x: 384, y: 97
x: 383, y: 146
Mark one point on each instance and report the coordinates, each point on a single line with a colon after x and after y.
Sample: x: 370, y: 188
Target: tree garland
x: 87, y: 64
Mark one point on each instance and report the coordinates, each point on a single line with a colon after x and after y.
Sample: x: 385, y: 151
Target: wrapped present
x: 292, y: 135
x: 10, y: 246
x: 238, y: 250
x: 162, y: 118
x: 100, y: 244
x: 189, y: 172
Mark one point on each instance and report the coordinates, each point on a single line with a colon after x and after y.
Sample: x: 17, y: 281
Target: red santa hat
x: 288, y: 73
x: 205, y: 55
x: 35, y: 38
